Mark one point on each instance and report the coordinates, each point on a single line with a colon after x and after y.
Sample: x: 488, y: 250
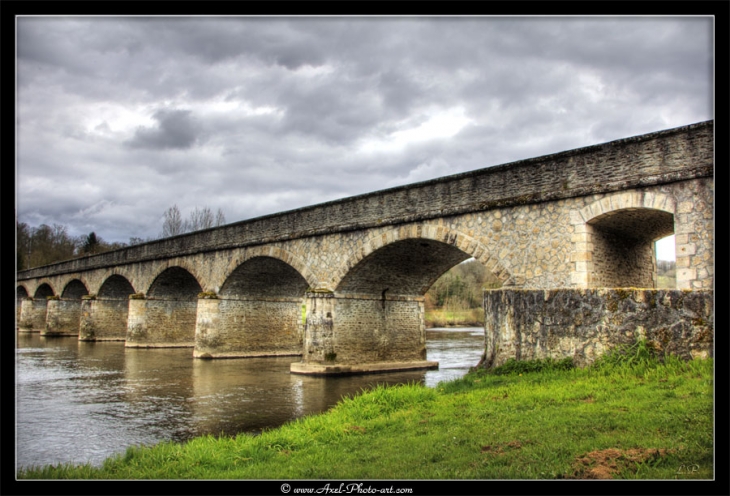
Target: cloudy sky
x: 120, y: 118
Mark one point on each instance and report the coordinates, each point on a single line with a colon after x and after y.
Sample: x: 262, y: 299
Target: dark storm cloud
x: 119, y: 118
x: 175, y: 129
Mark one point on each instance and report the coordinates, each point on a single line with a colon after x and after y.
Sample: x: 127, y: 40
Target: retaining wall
x: 527, y: 324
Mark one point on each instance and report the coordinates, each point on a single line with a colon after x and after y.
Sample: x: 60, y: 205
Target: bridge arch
x: 175, y: 283
x: 43, y: 291
x: 621, y: 231
x: 264, y: 276
x: 115, y: 287
x: 74, y: 290
x: 21, y: 292
x: 426, y: 234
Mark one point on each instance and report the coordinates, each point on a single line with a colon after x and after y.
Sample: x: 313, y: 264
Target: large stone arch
x: 21, y: 292
x: 43, y: 291
x: 469, y: 245
x: 74, y: 289
x: 375, y: 312
x: 116, y: 286
x: 619, y: 232
x: 264, y: 276
x: 174, y: 283
x: 283, y: 255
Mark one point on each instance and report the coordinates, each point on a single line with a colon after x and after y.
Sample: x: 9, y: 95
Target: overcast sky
x: 120, y: 118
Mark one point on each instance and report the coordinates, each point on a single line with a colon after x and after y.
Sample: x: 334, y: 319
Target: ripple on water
x: 83, y: 403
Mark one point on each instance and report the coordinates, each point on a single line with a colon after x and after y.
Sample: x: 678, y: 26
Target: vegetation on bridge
x: 630, y: 415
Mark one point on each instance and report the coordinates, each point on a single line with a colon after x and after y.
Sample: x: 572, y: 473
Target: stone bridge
x: 342, y: 283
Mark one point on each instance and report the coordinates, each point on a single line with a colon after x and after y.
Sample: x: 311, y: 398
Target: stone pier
x: 360, y: 334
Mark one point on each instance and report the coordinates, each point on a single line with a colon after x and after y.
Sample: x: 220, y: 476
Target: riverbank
x: 630, y: 416
x: 455, y: 318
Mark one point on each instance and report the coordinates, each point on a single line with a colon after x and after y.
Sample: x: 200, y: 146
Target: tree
x: 43, y: 245
x: 200, y: 218
x: 173, y: 223
x: 91, y: 245
x: 220, y: 219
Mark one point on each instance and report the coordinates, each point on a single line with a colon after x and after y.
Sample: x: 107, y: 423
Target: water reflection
x: 83, y: 401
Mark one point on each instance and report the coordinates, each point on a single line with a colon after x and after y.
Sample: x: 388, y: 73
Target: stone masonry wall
x: 246, y: 328
x: 363, y: 330
x: 161, y: 323
x: 33, y: 315
x: 585, y: 323
x: 62, y: 318
x: 103, y: 319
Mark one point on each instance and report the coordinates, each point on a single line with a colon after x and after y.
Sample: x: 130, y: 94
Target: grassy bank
x: 628, y: 417
x: 455, y: 318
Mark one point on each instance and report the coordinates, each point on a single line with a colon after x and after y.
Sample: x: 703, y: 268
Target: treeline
x: 461, y: 287
x: 44, y: 244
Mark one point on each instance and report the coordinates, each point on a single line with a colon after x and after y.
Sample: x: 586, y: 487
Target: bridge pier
x: 62, y: 317
x: 32, y: 315
x: 358, y: 334
x: 103, y: 319
x: 247, y: 327
x: 160, y: 323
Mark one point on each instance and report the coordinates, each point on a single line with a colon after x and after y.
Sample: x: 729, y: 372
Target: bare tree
x: 173, y: 223
x: 220, y: 219
x: 200, y: 218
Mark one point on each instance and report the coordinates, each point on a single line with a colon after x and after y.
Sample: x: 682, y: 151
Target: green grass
x: 449, y: 318
x: 629, y: 416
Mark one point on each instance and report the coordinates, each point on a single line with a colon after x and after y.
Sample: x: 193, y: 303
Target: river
x: 79, y: 402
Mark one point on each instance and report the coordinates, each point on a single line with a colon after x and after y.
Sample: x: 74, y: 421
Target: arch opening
x: 624, y: 250
x: 21, y: 293
x: 264, y: 277
x: 175, y: 283
x: 74, y: 290
x: 666, y: 260
x: 43, y: 291
x: 116, y: 287
x: 456, y: 298
x: 407, y: 268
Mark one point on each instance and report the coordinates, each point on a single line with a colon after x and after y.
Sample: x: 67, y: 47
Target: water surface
x: 83, y: 402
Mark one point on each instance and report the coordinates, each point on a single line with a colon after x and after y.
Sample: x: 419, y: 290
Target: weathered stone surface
x: 103, y: 319
x: 62, y: 318
x: 527, y: 324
